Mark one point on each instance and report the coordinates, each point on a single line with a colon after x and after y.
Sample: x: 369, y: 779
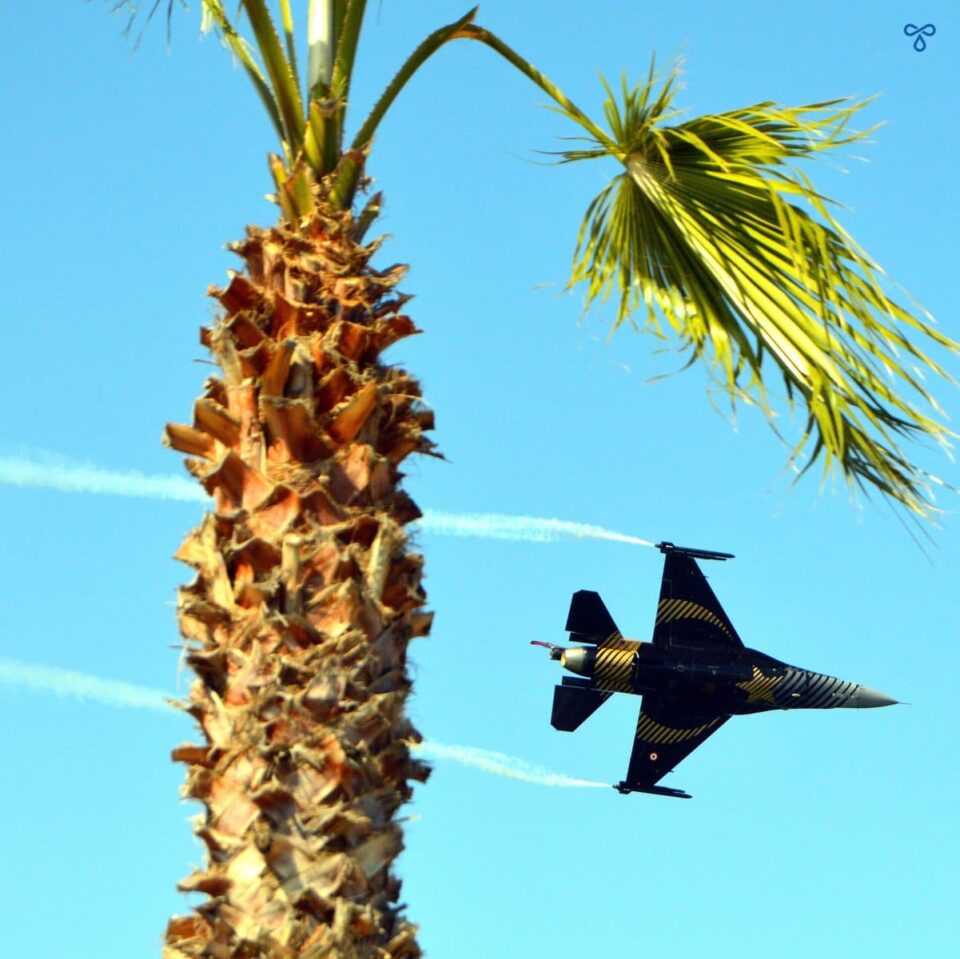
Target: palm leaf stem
x: 349, y: 169
x: 214, y: 13
x: 471, y: 31
x: 286, y: 19
x: 283, y: 81
x: 347, y: 36
x: 320, y: 32
x: 462, y: 29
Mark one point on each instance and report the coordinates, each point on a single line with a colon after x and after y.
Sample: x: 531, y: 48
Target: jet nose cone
x: 864, y: 697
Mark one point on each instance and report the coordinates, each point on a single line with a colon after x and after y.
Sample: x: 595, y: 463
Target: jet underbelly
x: 614, y: 665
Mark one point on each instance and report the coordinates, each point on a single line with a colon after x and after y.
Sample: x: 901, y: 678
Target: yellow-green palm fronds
x: 702, y: 231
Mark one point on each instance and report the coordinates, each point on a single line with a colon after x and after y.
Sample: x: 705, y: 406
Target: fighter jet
x: 693, y: 675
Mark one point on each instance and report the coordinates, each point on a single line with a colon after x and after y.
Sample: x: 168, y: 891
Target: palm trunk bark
x: 304, y: 600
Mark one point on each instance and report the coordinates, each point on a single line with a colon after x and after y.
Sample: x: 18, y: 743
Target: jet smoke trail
x: 66, y: 682
x: 534, y: 529
x: 500, y: 764
x: 50, y: 472
x: 108, y: 692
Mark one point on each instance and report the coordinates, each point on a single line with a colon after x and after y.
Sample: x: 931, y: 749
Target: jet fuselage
x: 731, y: 680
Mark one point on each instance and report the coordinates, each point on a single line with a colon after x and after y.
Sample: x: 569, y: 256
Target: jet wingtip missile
x: 624, y: 788
x: 691, y: 551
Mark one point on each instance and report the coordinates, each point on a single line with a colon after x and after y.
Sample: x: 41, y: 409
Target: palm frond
x: 134, y: 11
x: 702, y: 231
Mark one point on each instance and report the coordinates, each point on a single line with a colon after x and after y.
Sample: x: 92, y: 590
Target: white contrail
x: 535, y: 529
x: 109, y: 692
x: 66, y: 682
x: 500, y: 764
x: 51, y: 472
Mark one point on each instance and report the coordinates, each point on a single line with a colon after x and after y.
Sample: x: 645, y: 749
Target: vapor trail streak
x: 54, y: 473
x: 500, y: 764
x: 109, y: 692
x: 66, y: 682
x: 535, y: 529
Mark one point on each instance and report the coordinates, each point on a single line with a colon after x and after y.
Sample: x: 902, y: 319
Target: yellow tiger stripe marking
x: 670, y: 609
x: 614, y: 663
x: 649, y: 730
x: 616, y: 641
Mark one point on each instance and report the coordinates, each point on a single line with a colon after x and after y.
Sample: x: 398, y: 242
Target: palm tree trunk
x: 305, y: 597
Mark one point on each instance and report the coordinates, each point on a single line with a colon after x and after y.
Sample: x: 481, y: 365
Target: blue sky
x: 126, y: 173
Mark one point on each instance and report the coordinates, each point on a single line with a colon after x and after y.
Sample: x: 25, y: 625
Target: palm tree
x: 305, y: 594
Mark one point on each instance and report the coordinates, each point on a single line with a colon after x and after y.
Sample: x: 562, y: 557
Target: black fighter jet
x: 693, y: 675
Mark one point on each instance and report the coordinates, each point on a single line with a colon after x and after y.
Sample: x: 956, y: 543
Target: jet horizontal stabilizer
x: 624, y: 787
x: 589, y: 618
x: 573, y: 704
x: 692, y: 552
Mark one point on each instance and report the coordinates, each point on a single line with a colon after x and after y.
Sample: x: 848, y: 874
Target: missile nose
x: 864, y: 697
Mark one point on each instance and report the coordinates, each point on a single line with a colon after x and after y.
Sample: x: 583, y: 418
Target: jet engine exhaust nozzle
x: 579, y: 659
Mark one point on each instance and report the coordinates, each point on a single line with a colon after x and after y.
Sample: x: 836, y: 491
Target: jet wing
x: 669, y: 728
x: 688, y: 613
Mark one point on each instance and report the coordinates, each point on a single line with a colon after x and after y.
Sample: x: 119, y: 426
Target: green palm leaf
x: 701, y: 231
